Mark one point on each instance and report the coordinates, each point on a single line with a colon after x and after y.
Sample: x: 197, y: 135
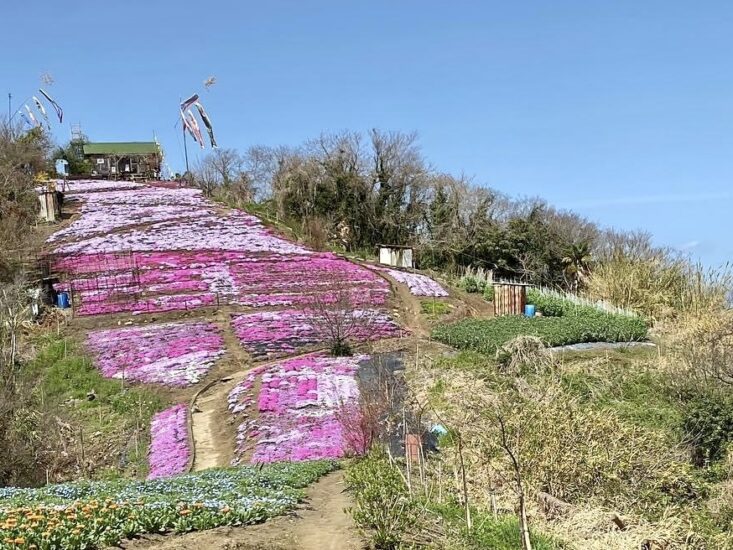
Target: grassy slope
x: 629, y: 384
x: 623, y: 381
x: 500, y: 533
x: 114, y: 425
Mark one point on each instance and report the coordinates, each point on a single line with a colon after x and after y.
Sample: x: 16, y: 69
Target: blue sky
x: 622, y: 111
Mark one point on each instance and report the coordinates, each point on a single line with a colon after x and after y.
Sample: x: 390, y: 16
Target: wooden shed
x: 134, y: 160
x: 509, y: 298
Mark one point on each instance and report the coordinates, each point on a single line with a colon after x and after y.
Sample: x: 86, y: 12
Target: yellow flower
x: 19, y: 540
x: 185, y: 512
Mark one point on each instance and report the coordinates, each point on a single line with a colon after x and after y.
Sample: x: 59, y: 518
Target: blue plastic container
x: 529, y: 310
x: 62, y: 300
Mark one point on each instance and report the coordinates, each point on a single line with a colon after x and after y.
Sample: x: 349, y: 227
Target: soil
x: 214, y: 445
x: 320, y: 523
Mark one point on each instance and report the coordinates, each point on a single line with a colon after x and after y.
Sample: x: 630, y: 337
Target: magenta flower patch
x: 171, y: 354
x: 174, y: 219
x: 148, y: 281
x: 169, y: 448
x: 296, y: 413
x: 419, y: 285
x: 150, y: 249
x: 273, y: 333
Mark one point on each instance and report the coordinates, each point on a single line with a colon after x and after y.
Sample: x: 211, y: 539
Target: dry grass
x: 659, y: 286
x: 591, y: 458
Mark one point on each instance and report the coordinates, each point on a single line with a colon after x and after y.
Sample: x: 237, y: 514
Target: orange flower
x: 19, y: 540
x: 185, y: 512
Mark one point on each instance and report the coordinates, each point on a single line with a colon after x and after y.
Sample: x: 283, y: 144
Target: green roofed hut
x: 133, y: 160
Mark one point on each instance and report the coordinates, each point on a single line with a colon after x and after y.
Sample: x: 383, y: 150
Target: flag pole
x: 185, y: 146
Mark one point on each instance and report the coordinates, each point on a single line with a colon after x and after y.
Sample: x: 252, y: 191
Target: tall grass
x: 659, y: 286
x: 545, y: 294
x: 475, y: 279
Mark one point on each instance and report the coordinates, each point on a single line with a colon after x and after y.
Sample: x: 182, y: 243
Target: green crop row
x: 579, y: 325
x: 97, y: 514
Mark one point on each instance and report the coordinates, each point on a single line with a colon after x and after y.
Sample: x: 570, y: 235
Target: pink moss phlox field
x: 153, y: 249
x: 295, y: 415
x: 169, y: 448
x: 178, y: 219
x: 171, y: 354
x: 273, y: 333
x: 419, y: 285
x: 91, y: 186
x: 213, y: 277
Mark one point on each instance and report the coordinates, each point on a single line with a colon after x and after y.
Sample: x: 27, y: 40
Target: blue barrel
x: 62, y: 300
x: 529, y: 310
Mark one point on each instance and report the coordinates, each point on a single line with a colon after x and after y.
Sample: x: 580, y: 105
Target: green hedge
x: 583, y: 324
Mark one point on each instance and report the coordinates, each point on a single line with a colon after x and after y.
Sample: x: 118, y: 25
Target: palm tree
x: 577, y: 262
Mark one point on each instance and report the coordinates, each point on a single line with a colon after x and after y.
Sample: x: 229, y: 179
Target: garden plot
x: 293, y: 410
x: 170, y: 354
x: 275, y: 333
x: 419, y: 285
x: 99, y: 514
x: 157, y: 249
x: 147, y: 282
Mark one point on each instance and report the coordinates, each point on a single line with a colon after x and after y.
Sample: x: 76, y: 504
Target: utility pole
x: 10, y: 99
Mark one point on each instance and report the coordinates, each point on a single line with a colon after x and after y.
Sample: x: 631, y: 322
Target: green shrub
x: 470, y: 284
x: 585, y: 325
x: 489, y: 293
x: 548, y: 304
x: 708, y: 421
x: 382, y: 504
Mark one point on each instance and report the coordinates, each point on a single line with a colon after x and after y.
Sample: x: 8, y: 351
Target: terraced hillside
x: 219, y: 315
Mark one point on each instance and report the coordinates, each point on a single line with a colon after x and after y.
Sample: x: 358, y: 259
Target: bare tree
x: 334, y: 313
x: 225, y: 170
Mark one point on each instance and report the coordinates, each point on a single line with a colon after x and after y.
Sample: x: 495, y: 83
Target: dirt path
x: 320, y: 523
x: 213, y: 444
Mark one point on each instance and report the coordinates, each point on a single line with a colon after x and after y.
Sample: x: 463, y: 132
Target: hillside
x: 200, y: 338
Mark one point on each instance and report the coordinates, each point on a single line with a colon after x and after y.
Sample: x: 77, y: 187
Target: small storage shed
x: 509, y: 298
x: 125, y: 160
x: 396, y: 255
